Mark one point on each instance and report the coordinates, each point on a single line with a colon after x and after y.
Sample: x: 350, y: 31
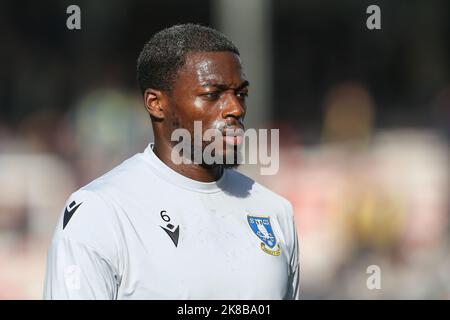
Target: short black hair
x: 165, y: 53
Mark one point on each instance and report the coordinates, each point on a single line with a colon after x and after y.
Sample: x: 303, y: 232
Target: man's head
x: 193, y: 73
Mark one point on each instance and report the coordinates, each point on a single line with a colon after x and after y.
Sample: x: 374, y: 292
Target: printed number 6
x: 165, y: 217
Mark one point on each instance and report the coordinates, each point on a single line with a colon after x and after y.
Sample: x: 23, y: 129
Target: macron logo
x: 70, y: 210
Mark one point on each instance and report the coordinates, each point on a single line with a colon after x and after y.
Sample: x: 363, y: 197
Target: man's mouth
x: 233, y: 135
x: 233, y: 141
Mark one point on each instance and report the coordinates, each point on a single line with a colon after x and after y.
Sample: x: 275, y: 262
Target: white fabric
x: 114, y: 246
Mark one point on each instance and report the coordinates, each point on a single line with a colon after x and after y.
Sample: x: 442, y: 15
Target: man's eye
x: 242, y: 94
x: 211, y: 95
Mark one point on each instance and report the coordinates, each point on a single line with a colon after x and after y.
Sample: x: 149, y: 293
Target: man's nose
x: 234, y: 107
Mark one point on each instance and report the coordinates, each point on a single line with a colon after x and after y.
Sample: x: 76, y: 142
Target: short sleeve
x: 293, y: 292
x: 83, y: 257
x: 77, y: 271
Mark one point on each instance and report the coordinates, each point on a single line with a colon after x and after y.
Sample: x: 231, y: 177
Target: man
x: 154, y: 229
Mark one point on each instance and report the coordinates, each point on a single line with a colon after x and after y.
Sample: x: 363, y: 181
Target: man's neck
x: 193, y: 171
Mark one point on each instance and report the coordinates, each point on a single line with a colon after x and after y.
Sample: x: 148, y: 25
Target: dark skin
x: 211, y: 88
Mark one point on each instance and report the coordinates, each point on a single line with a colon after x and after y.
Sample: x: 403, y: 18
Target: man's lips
x: 234, y: 141
x: 233, y: 135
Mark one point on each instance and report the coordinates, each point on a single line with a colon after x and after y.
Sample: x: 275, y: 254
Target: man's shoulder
x: 87, y: 227
x: 90, y: 210
x: 126, y: 173
x: 85, y: 209
x: 93, y: 204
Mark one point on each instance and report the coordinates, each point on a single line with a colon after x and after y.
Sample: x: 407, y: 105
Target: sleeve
x: 294, y: 278
x: 83, y: 258
x: 77, y: 271
x: 293, y: 292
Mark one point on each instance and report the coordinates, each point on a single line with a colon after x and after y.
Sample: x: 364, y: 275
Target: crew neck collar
x: 168, y: 174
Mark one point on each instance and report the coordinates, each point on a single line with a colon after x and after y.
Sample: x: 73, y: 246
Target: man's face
x: 210, y: 88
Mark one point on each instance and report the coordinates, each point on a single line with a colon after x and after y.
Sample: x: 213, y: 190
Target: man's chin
x: 223, y: 165
x: 228, y: 157
x: 227, y: 163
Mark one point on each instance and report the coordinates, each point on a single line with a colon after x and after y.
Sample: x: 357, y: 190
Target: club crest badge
x: 263, y: 230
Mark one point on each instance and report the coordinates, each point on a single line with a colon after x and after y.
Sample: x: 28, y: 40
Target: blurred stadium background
x: 363, y: 117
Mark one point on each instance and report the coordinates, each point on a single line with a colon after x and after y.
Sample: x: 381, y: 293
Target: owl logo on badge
x: 263, y: 230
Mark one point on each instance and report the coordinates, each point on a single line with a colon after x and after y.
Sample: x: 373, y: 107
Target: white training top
x: 144, y: 231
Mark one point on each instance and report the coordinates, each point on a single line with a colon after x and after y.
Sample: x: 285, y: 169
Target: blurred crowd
x: 365, y: 197
x: 47, y: 157
x: 362, y: 196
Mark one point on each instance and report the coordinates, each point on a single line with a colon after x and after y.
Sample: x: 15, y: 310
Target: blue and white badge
x: 262, y: 228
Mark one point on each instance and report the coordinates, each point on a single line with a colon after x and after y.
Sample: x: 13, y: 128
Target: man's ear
x: 154, y: 103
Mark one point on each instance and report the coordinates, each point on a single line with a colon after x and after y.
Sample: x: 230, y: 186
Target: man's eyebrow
x: 222, y: 86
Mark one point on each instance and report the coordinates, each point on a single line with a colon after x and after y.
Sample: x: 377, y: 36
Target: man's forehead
x: 213, y: 67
